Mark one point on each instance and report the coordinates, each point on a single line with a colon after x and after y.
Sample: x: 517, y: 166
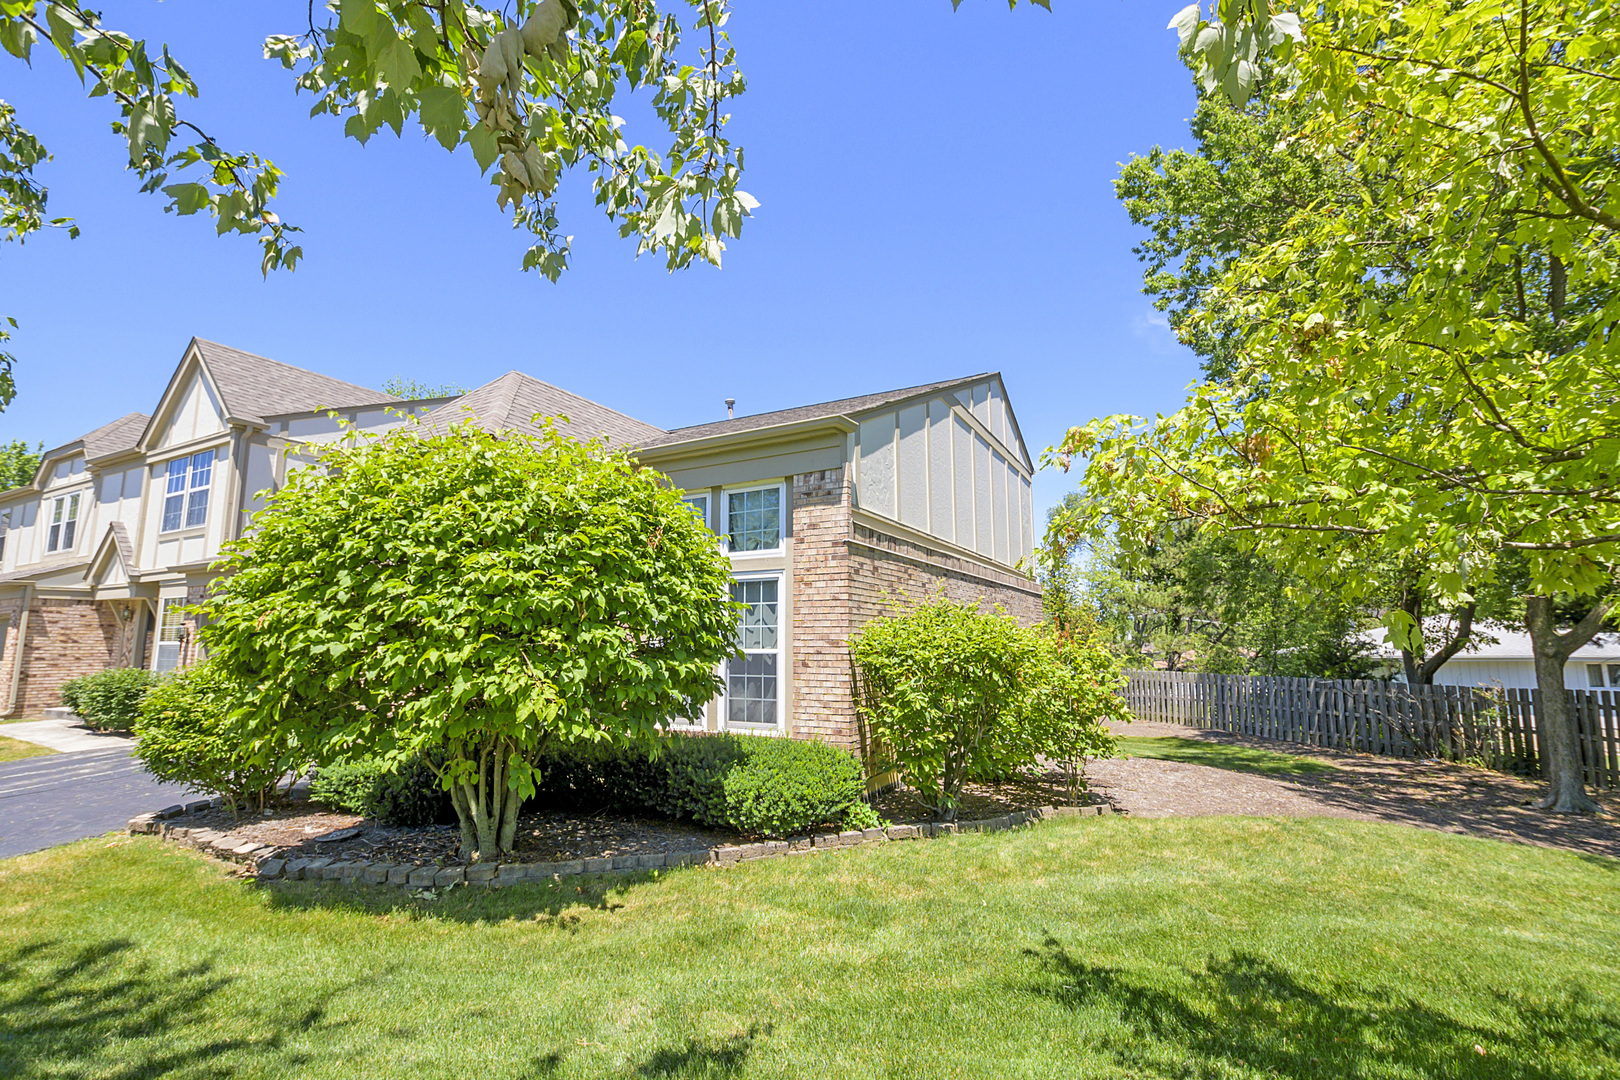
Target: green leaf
x: 358, y: 17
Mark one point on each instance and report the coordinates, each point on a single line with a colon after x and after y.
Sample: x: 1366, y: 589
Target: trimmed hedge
x: 407, y: 795
x: 109, y: 700
x: 755, y: 784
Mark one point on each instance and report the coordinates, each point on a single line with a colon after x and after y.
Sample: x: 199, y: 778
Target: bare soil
x: 1439, y: 795
x: 1024, y: 791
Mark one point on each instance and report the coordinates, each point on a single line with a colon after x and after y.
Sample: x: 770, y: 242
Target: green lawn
x: 1220, y: 755
x: 17, y: 749
x: 1196, y: 948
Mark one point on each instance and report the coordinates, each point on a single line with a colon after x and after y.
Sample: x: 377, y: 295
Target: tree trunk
x: 487, y: 807
x: 1422, y: 672
x: 1560, y: 744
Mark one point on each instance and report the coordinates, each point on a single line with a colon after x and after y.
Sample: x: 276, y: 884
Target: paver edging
x: 263, y: 863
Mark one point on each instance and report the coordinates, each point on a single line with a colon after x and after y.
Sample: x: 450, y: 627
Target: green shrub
x: 109, y: 700
x: 185, y: 734
x: 408, y: 794
x: 755, y: 784
x: 940, y: 688
x: 952, y: 694
x: 785, y: 786
x: 350, y: 787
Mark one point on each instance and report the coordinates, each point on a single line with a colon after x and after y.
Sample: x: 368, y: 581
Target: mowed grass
x: 1220, y: 755
x: 17, y: 749
x: 1198, y: 948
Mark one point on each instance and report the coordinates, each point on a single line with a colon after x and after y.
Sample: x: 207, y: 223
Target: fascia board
x: 776, y: 433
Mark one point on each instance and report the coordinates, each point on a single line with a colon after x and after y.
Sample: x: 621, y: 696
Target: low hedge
x: 409, y: 794
x: 109, y: 700
x: 755, y: 784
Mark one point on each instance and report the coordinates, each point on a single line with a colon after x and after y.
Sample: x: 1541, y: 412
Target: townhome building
x: 831, y: 514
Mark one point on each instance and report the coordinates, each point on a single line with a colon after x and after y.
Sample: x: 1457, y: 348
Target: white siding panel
x: 998, y: 414
x: 1026, y: 515
x: 983, y: 504
x: 962, y: 458
x: 942, y: 517
x: 912, y: 466
x: 981, y: 404
x: 998, y: 488
x: 877, y: 465
x: 195, y: 414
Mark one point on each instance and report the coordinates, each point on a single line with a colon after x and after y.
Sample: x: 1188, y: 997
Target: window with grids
x: 171, y: 634
x: 5, y: 527
x: 751, y: 680
x: 754, y: 519
x: 699, y: 505
x: 64, y: 524
x: 185, y: 500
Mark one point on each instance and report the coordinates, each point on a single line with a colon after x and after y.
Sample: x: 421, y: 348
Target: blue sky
x: 936, y: 201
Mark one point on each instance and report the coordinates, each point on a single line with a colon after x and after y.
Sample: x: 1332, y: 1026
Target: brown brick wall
x: 66, y: 639
x: 821, y: 529
x: 845, y: 575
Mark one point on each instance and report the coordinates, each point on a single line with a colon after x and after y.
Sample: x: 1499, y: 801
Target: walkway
x: 1429, y: 794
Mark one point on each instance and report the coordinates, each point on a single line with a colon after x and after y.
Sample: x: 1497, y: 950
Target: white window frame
x: 693, y: 500
x: 164, y: 663
x: 5, y: 531
x: 781, y: 522
x: 62, y: 533
x: 188, y: 492
x: 780, y: 723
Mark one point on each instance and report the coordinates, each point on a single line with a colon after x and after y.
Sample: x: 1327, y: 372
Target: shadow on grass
x: 698, y: 1058
x: 1245, y: 1015
x: 561, y: 901
x: 103, y: 1010
x: 1219, y: 755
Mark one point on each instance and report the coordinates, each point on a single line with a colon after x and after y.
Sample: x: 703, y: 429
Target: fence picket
x: 1392, y: 719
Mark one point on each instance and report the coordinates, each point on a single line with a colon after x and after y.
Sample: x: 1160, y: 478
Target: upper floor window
x: 699, y: 505
x: 185, y: 502
x: 5, y: 527
x: 64, y: 523
x: 754, y: 518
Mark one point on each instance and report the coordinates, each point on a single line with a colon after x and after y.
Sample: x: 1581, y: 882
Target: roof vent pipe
x: 731, y: 408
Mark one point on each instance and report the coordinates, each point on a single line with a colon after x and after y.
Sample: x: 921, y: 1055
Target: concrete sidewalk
x: 67, y: 736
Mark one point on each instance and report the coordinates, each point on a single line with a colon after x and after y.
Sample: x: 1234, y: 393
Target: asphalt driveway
x: 51, y: 800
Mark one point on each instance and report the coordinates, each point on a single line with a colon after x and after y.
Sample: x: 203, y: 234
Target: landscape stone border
x: 263, y: 864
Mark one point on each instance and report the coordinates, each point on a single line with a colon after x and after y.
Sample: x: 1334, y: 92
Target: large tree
x: 1469, y: 415
x: 529, y: 87
x: 471, y: 598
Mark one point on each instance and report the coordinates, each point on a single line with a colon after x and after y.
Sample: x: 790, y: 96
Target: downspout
x: 22, y: 642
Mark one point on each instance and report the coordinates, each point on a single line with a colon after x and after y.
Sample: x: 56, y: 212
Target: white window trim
x: 165, y: 494
x: 690, y: 497
x: 163, y: 606
x: 781, y: 525
x: 73, y: 500
x: 725, y: 724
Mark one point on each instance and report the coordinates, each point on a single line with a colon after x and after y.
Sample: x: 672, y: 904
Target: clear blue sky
x: 936, y: 201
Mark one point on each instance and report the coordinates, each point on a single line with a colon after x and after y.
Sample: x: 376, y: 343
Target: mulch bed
x: 305, y: 830
x: 1022, y: 791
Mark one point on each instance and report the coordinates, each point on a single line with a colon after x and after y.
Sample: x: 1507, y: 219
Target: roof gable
x: 511, y: 402
x: 249, y: 388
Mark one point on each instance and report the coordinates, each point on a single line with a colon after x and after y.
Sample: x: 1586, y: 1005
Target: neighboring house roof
x: 512, y: 401
x: 254, y: 387
x: 1509, y: 645
x: 841, y: 407
x: 122, y: 434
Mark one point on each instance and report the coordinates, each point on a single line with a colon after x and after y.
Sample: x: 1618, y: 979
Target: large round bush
x: 474, y: 597
x: 108, y: 700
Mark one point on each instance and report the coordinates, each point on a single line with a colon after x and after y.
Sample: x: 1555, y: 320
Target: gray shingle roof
x: 511, y: 402
x: 122, y: 434
x: 842, y: 407
x: 256, y: 386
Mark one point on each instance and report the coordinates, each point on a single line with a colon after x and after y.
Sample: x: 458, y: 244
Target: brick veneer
x: 844, y: 575
x: 66, y: 639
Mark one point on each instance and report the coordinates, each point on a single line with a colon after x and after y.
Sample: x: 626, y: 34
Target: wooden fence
x: 1494, y: 726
